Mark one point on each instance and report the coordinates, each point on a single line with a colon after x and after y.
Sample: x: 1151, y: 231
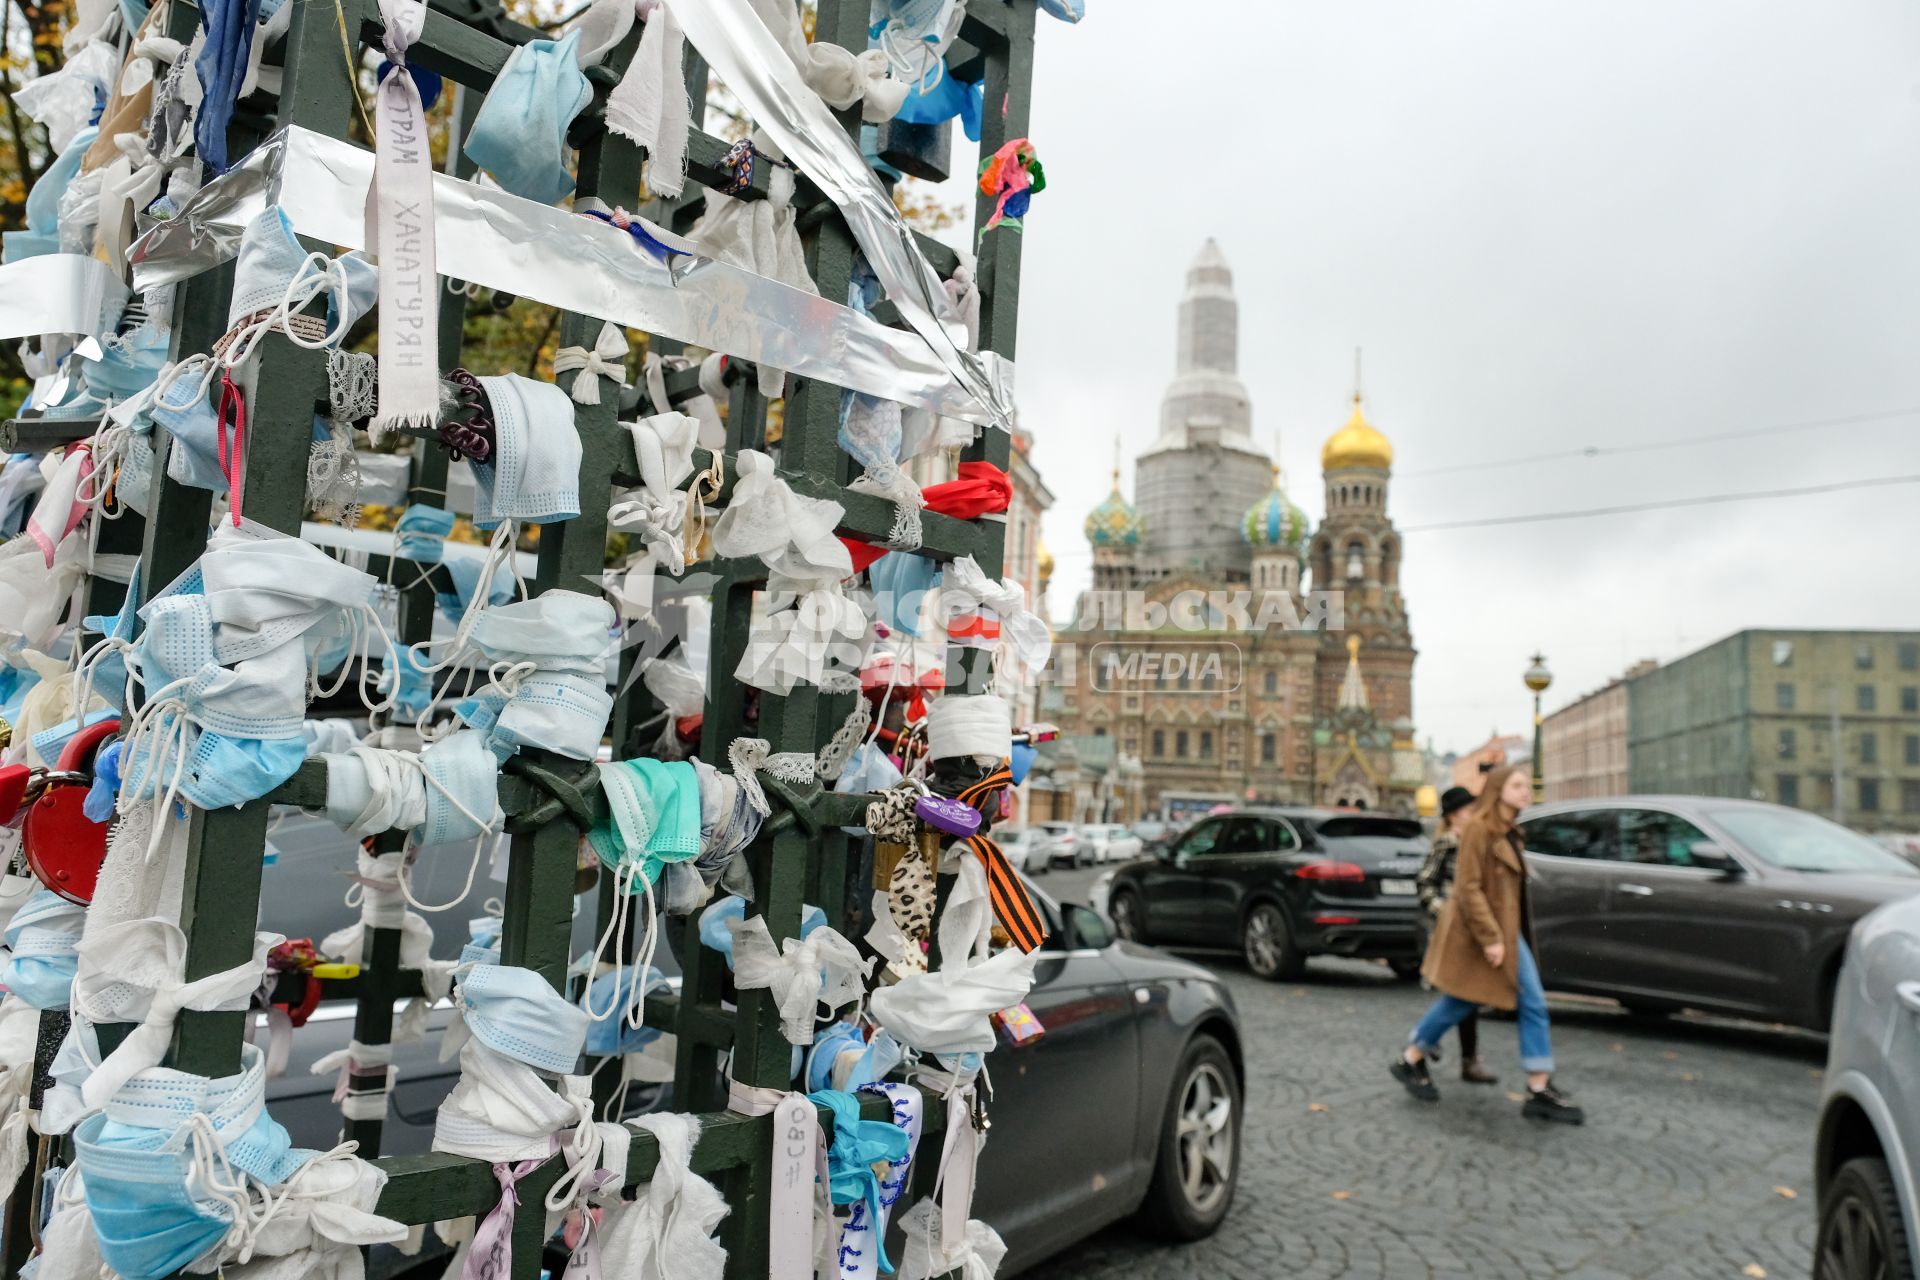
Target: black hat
x: 1454, y: 798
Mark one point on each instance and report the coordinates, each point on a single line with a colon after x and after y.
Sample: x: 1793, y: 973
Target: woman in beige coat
x: 1479, y: 953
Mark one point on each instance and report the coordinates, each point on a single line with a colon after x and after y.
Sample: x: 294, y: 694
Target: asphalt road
x: 1695, y: 1161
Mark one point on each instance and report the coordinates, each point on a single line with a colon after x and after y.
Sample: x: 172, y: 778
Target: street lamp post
x: 1538, y: 678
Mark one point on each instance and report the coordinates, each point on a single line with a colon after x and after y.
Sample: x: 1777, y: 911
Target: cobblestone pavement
x: 1694, y: 1162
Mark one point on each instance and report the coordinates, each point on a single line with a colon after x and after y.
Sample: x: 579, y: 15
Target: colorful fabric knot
x: 739, y: 161
x: 1011, y: 177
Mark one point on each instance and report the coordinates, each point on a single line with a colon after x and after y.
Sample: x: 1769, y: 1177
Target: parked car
x: 1026, y: 849
x: 1139, y: 1059
x: 1152, y: 831
x: 1063, y: 845
x: 1282, y: 885
x: 1729, y: 906
x: 1868, y: 1143
x: 1110, y: 842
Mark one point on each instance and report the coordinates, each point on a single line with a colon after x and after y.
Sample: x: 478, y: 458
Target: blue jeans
x: 1536, y: 1049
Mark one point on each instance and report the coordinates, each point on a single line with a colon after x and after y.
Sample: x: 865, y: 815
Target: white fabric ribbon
x: 315, y: 1226
x: 799, y: 1175
x: 948, y: 1012
x: 761, y: 236
x: 607, y: 359
x: 840, y: 76
x: 134, y: 971
x: 657, y: 510
x: 403, y: 233
x: 650, y: 104
x: 812, y: 633
x: 969, y: 725
x: 821, y: 968
x: 19, y: 1038
x: 666, y: 1233
x: 931, y: 1253
x: 360, y: 1060
x: 1025, y: 639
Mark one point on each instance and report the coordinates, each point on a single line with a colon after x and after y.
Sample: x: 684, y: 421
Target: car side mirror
x: 1709, y: 856
x: 1084, y: 928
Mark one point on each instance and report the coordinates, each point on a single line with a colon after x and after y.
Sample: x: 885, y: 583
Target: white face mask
x: 534, y: 474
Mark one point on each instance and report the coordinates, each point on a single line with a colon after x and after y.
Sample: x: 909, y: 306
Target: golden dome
x: 1043, y: 562
x: 1356, y: 445
x: 1426, y: 800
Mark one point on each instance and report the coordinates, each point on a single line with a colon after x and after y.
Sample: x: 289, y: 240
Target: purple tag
x: 953, y: 817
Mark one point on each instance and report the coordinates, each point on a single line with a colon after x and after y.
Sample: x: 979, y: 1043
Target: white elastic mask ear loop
x: 500, y: 550
x: 363, y: 623
x: 109, y: 445
x: 404, y: 876
x: 306, y: 285
x: 89, y: 664
x: 172, y: 746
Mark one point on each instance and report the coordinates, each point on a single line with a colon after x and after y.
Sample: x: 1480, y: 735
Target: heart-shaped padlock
x: 64, y: 848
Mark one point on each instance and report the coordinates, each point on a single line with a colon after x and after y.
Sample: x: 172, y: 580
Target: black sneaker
x: 1551, y: 1104
x: 1415, y: 1077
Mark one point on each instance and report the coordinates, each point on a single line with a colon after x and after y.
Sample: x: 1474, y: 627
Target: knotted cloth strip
x: 606, y: 359
x: 965, y: 725
x: 821, y: 968
x: 134, y: 971
x: 666, y: 1232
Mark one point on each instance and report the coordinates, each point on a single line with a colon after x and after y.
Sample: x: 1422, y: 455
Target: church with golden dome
x: 1231, y: 651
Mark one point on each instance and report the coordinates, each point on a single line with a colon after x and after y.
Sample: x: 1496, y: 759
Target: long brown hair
x: 1487, y: 810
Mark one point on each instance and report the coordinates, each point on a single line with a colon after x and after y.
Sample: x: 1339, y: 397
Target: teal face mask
x: 520, y: 133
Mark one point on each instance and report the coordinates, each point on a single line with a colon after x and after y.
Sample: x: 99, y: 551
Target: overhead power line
x: 1652, y: 446
x: 1870, y: 482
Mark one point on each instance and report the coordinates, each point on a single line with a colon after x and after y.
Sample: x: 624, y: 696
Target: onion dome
x: 1273, y: 521
x: 1356, y: 445
x: 1043, y: 562
x: 1114, y: 523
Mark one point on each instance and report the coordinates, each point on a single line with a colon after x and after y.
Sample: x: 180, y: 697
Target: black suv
x: 1282, y: 885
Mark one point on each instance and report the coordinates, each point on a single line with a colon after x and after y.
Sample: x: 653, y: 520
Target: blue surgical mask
x: 876, y: 1057
x: 483, y: 942
x: 108, y: 676
x: 520, y: 133
x: 514, y: 1011
x: 534, y: 474
x: 562, y: 706
x: 53, y: 740
x: 42, y: 936
x: 184, y: 409
x: 900, y: 582
x: 466, y: 769
x: 127, y: 364
x: 148, y: 1221
x: 611, y: 1036
x: 465, y: 572
x: 43, y: 202
x: 421, y: 534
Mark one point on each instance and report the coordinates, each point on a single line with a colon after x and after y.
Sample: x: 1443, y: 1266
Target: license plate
x: 1399, y: 888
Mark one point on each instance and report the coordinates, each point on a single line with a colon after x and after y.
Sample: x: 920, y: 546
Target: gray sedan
x: 1728, y: 906
x: 1129, y: 1103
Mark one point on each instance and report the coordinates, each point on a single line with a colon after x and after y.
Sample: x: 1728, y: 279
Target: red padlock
x: 64, y: 847
x: 14, y: 780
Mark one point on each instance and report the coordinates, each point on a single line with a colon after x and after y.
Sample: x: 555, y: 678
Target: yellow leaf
x: 1688, y: 1076
x: 1670, y: 1055
x: 1617, y: 1047
x: 1343, y: 1195
x: 1755, y: 1270
x: 1786, y: 1193
x: 1516, y: 1097
x: 1316, y: 1106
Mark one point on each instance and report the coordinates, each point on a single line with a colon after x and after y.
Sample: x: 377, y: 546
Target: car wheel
x: 1129, y: 919
x: 1862, y: 1236
x: 1405, y: 970
x: 1046, y: 865
x: 1198, y: 1163
x: 1268, y: 946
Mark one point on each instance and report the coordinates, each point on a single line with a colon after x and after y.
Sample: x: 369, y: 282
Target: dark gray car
x: 1128, y: 1104
x: 1728, y: 906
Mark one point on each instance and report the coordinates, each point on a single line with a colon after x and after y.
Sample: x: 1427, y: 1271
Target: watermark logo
x: 1170, y: 666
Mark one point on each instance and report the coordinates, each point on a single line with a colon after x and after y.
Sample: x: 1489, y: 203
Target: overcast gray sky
x: 1549, y: 226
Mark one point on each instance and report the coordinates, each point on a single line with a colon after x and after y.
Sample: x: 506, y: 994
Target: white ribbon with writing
x: 402, y: 208
x: 798, y: 1162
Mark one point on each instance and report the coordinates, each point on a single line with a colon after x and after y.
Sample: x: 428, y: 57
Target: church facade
x: 1227, y: 651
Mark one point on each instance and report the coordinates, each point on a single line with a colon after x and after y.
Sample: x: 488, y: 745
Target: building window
x: 1909, y: 655
x: 1186, y: 680
x: 1786, y: 789
x: 1789, y: 745
x: 1863, y: 655
x: 1159, y: 742
x: 1783, y: 653
x: 1909, y: 699
x: 1869, y: 795
x: 1910, y: 795
x: 1913, y: 748
x: 1206, y: 682
x: 1271, y: 683
x: 1869, y: 749
x: 1269, y: 747
x: 1206, y: 744
x: 1180, y: 743
x: 1099, y: 731
x: 1863, y: 697
x: 1783, y: 695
